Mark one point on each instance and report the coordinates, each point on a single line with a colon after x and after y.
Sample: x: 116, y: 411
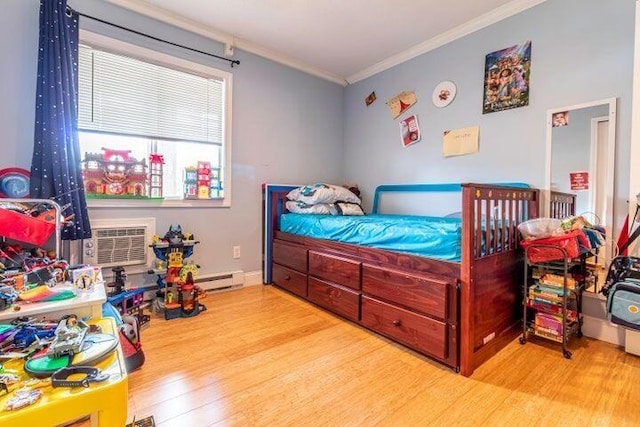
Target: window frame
x: 120, y: 47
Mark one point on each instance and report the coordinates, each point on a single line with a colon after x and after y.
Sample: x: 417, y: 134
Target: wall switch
x: 236, y: 252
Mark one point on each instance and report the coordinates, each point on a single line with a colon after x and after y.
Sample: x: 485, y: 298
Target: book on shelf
x: 542, y: 332
x: 538, y: 304
x: 557, y: 281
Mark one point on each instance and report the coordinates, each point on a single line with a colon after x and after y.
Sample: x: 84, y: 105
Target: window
x: 151, y: 126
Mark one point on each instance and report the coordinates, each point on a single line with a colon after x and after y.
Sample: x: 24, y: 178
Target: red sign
x: 579, y: 180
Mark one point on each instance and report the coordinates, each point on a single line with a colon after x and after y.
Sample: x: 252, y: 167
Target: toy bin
x: 25, y: 228
x: 552, y: 248
x: 539, y: 228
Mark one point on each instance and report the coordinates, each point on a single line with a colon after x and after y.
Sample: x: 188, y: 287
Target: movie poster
x: 506, y: 78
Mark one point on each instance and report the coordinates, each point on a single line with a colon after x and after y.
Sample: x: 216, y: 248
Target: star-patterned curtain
x: 55, y: 166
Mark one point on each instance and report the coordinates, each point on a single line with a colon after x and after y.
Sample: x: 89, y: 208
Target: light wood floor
x: 262, y: 357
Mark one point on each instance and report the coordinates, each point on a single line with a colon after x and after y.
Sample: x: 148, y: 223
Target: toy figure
x: 118, y: 284
x: 172, y: 250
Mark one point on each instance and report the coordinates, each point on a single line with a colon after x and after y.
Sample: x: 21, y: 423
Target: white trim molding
x: 159, y: 14
x: 458, y: 32
x: 145, y: 8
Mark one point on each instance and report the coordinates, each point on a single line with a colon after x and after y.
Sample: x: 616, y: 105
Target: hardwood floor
x: 261, y: 357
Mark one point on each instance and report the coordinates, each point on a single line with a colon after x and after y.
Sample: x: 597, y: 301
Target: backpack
x: 621, y: 268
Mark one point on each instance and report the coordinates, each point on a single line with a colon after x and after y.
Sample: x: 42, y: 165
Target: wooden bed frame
x: 457, y: 313
x: 561, y: 204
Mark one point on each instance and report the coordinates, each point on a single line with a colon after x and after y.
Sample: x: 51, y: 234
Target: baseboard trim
x: 253, y: 278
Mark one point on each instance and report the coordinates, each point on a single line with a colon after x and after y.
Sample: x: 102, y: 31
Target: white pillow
x: 348, y: 209
x: 322, y: 193
x: 303, y: 208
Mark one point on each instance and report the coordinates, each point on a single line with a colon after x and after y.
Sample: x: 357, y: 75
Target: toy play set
x: 178, y: 295
x: 202, y: 181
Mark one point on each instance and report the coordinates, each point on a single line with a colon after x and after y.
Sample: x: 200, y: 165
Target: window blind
x: 126, y: 96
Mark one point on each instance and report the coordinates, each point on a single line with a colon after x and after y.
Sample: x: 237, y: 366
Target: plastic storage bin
x: 539, y: 228
x: 553, y: 247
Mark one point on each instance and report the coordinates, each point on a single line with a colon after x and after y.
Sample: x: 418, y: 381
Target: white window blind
x: 126, y: 96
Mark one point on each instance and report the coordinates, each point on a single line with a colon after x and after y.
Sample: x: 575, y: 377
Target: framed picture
x: 560, y: 118
x: 506, y: 78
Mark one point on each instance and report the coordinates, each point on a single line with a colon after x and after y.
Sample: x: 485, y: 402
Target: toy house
x: 156, y: 162
x: 204, y: 180
x: 114, y: 173
x: 190, y: 183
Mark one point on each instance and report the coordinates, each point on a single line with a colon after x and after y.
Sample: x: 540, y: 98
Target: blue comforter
x: 432, y: 237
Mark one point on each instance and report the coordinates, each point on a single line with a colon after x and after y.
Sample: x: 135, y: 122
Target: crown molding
x: 512, y: 8
x: 195, y: 27
x: 460, y: 31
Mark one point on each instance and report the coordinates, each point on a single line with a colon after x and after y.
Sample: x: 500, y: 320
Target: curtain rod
x: 231, y: 61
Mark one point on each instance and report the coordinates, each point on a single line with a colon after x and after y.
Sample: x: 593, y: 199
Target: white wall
x: 287, y: 128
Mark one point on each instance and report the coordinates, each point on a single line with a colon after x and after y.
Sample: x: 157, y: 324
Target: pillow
x: 322, y: 193
x: 303, y: 208
x: 336, y: 209
x: 343, y: 208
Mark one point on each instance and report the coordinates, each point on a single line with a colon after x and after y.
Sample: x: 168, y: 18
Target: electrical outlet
x: 236, y: 252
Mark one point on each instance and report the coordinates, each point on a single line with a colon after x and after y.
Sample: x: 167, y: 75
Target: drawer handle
x: 287, y: 277
x: 397, y: 323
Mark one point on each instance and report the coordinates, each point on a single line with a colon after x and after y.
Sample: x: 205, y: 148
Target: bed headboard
x: 428, y: 188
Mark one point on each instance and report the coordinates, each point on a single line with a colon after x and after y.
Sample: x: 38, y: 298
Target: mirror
x: 580, y: 161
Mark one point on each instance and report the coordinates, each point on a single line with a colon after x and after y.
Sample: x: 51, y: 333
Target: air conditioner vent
x: 120, y: 242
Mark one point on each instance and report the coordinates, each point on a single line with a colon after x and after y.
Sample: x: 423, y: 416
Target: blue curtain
x: 55, y: 166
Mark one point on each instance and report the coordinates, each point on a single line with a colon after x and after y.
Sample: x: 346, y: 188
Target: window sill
x: 157, y: 203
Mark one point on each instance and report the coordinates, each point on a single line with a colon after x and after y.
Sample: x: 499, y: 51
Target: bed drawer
x: 340, y: 300
x: 428, y: 296
x: 290, y: 280
x: 418, y: 332
x: 293, y: 256
x: 341, y: 271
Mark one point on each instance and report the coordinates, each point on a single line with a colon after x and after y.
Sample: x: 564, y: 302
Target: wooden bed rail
x: 491, y: 268
x: 562, y: 205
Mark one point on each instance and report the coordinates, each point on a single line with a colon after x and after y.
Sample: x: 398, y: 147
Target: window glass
x: 150, y: 130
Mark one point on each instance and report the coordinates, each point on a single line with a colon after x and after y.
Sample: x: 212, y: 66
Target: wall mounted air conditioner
x: 123, y: 242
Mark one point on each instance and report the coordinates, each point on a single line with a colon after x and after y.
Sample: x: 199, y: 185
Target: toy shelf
x: 105, y: 401
x: 83, y: 305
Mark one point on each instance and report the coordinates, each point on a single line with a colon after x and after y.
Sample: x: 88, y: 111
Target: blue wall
x: 582, y: 50
x: 287, y: 127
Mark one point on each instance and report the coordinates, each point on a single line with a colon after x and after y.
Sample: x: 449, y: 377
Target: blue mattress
x: 432, y: 237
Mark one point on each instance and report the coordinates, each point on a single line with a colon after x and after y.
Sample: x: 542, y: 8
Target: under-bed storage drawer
x: 422, y: 294
x: 290, y: 255
x: 416, y: 331
x: 335, y: 269
x: 290, y: 280
x: 340, y: 300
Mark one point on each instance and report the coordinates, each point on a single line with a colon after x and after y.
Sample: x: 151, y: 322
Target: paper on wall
x: 460, y: 141
x: 401, y: 103
x: 409, y: 131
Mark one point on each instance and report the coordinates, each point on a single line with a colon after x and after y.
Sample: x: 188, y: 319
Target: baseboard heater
x: 210, y: 282
x: 214, y: 282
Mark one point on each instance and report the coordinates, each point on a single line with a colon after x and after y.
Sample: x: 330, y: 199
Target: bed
x: 561, y: 205
x: 459, y: 312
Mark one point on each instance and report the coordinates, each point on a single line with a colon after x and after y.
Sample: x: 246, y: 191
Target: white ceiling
x: 341, y: 40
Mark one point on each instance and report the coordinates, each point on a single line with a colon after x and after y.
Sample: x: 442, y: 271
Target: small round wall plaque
x: 443, y: 94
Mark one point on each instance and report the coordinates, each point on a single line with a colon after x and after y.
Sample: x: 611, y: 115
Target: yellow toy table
x: 105, y: 401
